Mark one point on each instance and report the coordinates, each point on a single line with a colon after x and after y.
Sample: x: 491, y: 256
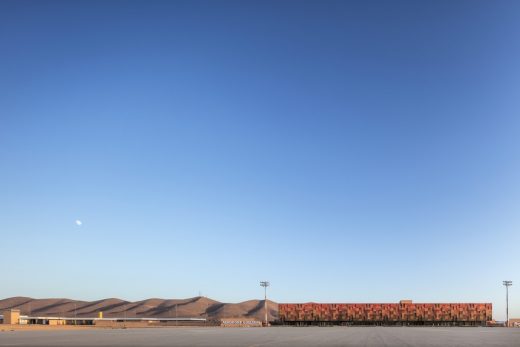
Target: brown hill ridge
x: 197, y: 307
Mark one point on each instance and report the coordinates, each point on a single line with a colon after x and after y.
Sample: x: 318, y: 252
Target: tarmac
x: 274, y: 336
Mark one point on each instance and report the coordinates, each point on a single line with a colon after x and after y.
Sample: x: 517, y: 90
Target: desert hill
x: 197, y: 307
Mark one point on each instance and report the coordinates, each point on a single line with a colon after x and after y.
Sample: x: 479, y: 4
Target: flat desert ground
x: 275, y: 336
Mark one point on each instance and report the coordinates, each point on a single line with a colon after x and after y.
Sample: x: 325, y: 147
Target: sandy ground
x: 276, y: 336
x: 39, y: 327
x: 33, y: 327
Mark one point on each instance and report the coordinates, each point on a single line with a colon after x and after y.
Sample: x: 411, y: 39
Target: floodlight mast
x: 265, y: 284
x: 507, y: 284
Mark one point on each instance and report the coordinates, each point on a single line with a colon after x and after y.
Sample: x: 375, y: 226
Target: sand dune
x: 192, y: 307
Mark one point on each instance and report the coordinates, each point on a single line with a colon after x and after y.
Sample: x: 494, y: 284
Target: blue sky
x: 345, y: 151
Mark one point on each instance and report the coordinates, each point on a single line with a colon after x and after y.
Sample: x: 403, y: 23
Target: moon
x: 78, y: 222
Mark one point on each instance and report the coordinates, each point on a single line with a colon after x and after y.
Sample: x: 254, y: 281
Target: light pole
x: 124, y: 320
x: 507, y: 284
x: 265, y: 284
x: 207, y: 313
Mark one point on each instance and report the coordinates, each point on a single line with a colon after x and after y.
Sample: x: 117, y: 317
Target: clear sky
x: 346, y: 151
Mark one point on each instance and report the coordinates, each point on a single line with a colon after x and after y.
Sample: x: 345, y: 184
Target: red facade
x: 405, y: 312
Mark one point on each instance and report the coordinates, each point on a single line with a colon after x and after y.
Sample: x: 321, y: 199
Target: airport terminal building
x: 403, y: 313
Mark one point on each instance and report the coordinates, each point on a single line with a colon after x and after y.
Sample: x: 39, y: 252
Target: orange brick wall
x: 406, y: 312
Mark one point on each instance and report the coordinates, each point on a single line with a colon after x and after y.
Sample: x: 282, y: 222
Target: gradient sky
x: 345, y: 151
